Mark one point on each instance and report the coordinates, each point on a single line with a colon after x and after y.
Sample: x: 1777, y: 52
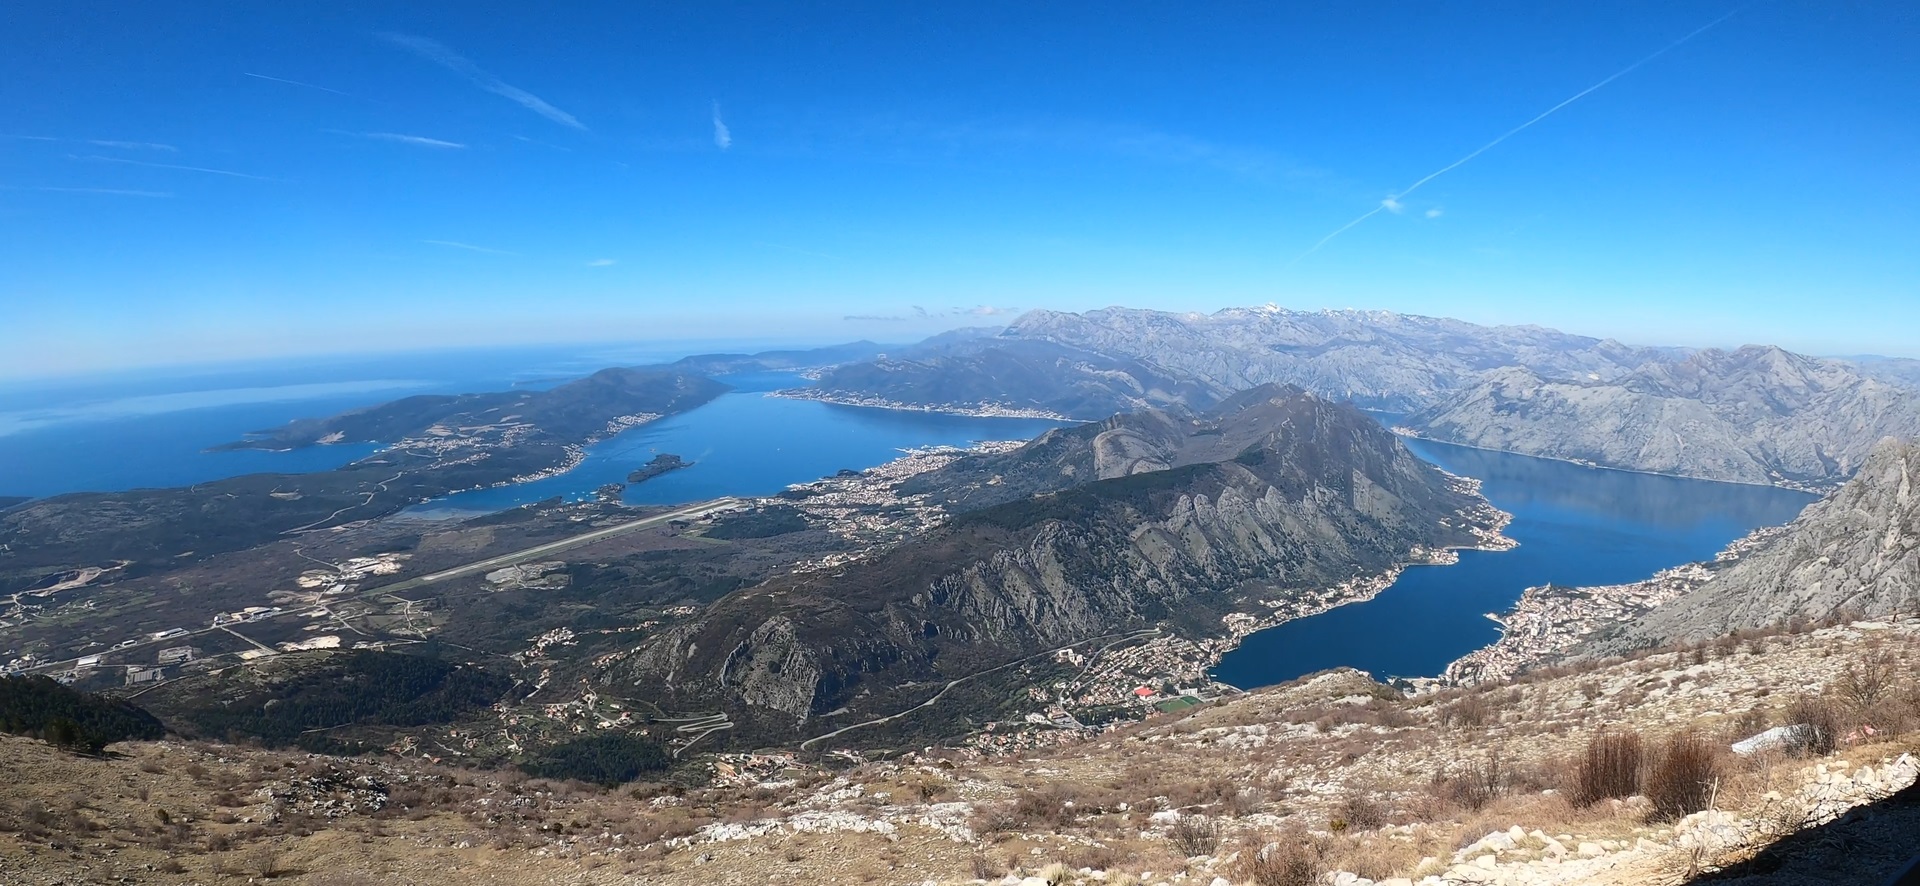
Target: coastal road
x: 689, y: 512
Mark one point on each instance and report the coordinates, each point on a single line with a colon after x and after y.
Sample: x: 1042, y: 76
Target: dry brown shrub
x: 1043, y: 809
x: 1195, y: 835
x: 265, y: 861
x: 1472, y: 710
x: 1609, y: 769
x: 1685, y: 778
x: 1869, y: 679
x: 1096, y: 857
x: 1291, y: 861
x: 1361, y: 812
x: 1204, y: 792
x: 1471, y: 785
x: 1825, y: 721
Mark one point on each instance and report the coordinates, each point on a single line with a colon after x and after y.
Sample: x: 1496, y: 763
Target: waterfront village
x: 1549, y: 619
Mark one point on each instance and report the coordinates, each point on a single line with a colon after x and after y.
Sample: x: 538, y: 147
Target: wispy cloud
x: 419, y: 140
x: 722, y: 137
x: 111, y: 192
x: 440, y: 54
x: 602, y: 263
x: 296, y: 83
x: 874, y: 318
x: 1392, y: 205
x: 227, y: 172
x: 1392, y: 202
x: 455, y: 244
x: 1435, y: 212
x: 100, y: 143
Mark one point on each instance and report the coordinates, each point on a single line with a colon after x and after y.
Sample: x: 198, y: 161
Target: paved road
x: 491, y: 563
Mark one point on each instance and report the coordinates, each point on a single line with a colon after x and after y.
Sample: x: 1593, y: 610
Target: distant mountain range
x: 1376, y: 359
x: 775, y: 361
x: 1147, y: 519
x: 997, y: 373
x: 1755, y: 415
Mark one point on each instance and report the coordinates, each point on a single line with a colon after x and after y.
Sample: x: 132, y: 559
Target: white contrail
x: 295, y: 83
x: 1395, y: 198
x: 438, y: 53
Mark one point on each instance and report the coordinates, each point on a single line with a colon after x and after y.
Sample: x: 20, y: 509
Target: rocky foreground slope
x: 1278, y: 493
x: 1333, y: 779
x: 1756, y: 415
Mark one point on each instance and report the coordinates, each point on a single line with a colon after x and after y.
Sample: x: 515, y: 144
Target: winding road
x: 1117, y: 638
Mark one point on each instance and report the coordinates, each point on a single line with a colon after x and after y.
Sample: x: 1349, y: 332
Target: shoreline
x: 1196, y: 658
x: 980, y: 410
x: 1548, y: 620
x: 1790, y: 486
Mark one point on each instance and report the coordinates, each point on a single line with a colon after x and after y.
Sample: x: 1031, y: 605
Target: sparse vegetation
x: 1195, y: 834
x: 1609, y: 769
x: 1292, y: 861
x: 1685, y: 778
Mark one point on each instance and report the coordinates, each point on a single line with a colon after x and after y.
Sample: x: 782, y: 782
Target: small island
x: 660, y: 464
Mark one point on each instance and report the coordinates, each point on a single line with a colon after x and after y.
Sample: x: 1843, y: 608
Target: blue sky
x: 195, y: 182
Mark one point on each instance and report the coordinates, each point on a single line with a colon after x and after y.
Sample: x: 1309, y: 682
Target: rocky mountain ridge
x: 1301, y: 494
x: 998, y: 375
x: 1855, y: 552
x: 1376, y: 359
x: 1755, y: 415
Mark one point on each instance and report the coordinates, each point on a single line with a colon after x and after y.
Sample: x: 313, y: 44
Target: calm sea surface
x: 1576, y: 526
x: 747, y: 443
x: 144, y: 429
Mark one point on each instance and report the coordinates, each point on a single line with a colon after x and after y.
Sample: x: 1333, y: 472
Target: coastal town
x: 973, y: 410
x: 866, y: 508
x: 1550, y: 619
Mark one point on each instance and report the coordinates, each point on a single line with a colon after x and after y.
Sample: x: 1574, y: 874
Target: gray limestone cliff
x: 1856, y: 552
x: 1756, y: 415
